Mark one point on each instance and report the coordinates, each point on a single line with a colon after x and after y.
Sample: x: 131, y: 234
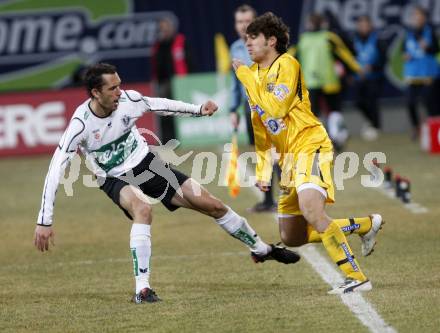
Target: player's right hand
x: 236, y: 63
x: 42, y: 236
x: 208, y: 108
x: 263, y: 186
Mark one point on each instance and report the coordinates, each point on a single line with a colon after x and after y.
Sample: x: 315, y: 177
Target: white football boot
x: 351, y: 285
x: 369, y: 239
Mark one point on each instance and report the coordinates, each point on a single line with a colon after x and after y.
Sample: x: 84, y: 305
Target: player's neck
x: 98, y: 110
x: 268, y: 60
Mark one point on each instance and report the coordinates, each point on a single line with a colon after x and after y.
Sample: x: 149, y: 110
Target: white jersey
x: 112, y: 144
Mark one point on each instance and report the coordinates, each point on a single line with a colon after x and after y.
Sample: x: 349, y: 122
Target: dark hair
x: 421, y: 10
x: 93, y: 77
x: 271, y: 25
x: 246, y: 8
x: 316, y: 20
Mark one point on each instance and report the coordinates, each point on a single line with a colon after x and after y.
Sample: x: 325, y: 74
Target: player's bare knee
x: 142, y: 211
x: 217, y: 209
x: 321, y: 226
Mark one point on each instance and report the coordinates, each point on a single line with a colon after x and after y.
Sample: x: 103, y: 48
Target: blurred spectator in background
x: 370, y: 54
x: 170, y: 57
x: 318, y: 50
x: 331, y: 23
x: 77, y: 77
x: 244, y: 15
x: 421, y: 68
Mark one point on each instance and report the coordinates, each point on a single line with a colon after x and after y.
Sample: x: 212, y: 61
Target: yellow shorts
x: 308, y: 166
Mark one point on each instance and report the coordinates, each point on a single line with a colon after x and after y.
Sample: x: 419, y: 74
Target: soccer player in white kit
x: 104, y: 129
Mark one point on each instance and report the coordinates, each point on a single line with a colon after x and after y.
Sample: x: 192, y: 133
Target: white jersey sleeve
x: 163, y: 106
x: 63, y: 155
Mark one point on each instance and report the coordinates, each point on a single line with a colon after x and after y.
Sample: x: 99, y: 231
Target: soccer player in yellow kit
x: 282, y: 118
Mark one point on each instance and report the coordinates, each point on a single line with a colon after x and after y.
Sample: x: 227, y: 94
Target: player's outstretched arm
x: 169, y: 107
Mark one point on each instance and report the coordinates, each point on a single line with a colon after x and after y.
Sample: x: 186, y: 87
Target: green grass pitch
x: 206, y: 279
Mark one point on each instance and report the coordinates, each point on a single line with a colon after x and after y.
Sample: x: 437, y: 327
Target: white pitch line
x: 361, y: 308
x: 413, y: 207
x: 357, y: 304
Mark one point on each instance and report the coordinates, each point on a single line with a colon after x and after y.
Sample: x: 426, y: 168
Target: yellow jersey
x: 281, y: 109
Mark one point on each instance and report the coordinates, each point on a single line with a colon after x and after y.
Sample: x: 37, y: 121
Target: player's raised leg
x: 312, y: 204
x: 295, y: 231
x: 136, y: 204
x: 198, y: 198
x: 366, y: 227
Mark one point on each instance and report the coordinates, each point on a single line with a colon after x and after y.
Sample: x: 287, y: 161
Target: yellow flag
x: 232, y: 174
x: 222, y: 58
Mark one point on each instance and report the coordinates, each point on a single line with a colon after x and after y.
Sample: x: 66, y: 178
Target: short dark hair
x: 420, y: 9
x: 246, y: 8
x: 271, y: 25
x: 93, y: 77
x: 316, y: 20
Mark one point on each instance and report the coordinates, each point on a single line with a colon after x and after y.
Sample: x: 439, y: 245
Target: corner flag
x: 232, y: 174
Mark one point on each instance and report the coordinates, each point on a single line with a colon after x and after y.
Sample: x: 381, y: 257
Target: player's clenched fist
x: 209, y: 108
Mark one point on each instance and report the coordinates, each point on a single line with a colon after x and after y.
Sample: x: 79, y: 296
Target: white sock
x: 140, y: 246
x: 237, y: 227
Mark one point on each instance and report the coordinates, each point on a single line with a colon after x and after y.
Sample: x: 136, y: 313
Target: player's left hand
x: 42, y: 236
x: 236, y: 63
x: 209, y: 108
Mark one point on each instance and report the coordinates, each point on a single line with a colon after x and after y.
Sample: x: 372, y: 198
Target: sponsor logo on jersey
x: 96, y: 134
x: 116, y: 152
x: 258, y: 109
x: 126, y: 120
x: 270, y: 86
x: 281, y: 91
x: 274, y: 126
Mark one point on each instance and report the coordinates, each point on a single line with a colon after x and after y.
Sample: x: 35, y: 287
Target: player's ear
x: 272, y: 41
x: 95, y: 92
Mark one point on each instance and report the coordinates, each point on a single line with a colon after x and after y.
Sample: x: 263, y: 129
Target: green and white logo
x: 43, y: 42
x: 115, y: 153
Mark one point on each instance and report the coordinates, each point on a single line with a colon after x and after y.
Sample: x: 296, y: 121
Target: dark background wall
x: 199, y: 20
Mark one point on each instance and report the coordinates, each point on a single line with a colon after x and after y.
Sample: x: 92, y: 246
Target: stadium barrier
x: 33, y: 122
x: 430, y: 136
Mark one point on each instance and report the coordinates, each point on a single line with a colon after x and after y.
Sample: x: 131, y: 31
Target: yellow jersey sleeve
x: 263, y: 145
x: 278, y: 99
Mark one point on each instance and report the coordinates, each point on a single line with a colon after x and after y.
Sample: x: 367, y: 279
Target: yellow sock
x: 357, y: 225
x: 340, y: 252
x: 312, y: 235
